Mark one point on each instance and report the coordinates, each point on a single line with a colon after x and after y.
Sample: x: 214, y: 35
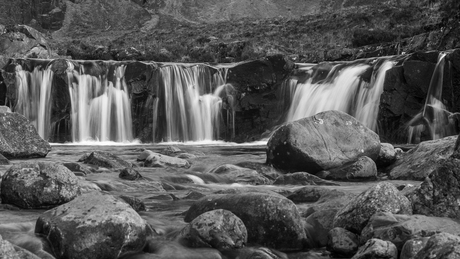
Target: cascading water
x: 101, y: 109
x: 342, y: 89
x: 33, y: 97
x: 433, y: 118
x: 192, y: 112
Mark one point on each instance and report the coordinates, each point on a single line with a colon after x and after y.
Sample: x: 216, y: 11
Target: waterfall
x: 342, y: 89
x: 192, y: 110
x: 33, y: 97
x: 433, y: 118
x: 101, y: 109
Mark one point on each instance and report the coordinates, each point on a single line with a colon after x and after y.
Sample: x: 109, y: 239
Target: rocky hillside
x: 234, y: 30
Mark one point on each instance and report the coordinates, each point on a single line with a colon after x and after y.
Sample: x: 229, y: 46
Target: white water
x: 101, y: 111
x: 193, y: 112
x: 33, y: 93
x: 433, y: 118
x: 343, y: 90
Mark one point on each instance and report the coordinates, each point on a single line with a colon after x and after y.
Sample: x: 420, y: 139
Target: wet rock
x: 400, y: 228
x: 441, y: 246
x: 7, y: 250
x: 172, y: 249
x: 362, y: 169
x: 439, y: 193
x: 171, y: 151
x: 153, y: 159
x: 76, y: 167
x: 271, y: 220
x: 381, y: 197
x: 255, y: 253
x: 38, y: 185
x: 4, y: 160
x: 130, y: 174
x: 319, y: 224
x: 387, y: 155
x: 376, y: 248
x: 134, y: 202
x: 104, y: 159
x: 326, y: 140
x: 412, y: 247
x: 313, y: 194
x: 262, y: 168
x: 301, y: 178
x: 421, y: 160
x: 342, y: 242
x: 94, y: 225
x: 19, y: 139
x: 194, y: 195
x: 236, y: 174
x: 220, y: 229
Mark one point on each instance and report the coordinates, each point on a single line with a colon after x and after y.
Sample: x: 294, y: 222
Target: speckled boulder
x: 342, y: 242
x: 104, y: 159
x: 387, y: 155
x: 153, y: 159
x: 326, y: 140
x: 19, y: 139
x: 381, y: 197
x: 441, y: 246
x: 412, y: 247
x: 220, y: 229
x: 271, y: 220
x: 362, y: 169
x: 94, y: 225
x: 38, y: 185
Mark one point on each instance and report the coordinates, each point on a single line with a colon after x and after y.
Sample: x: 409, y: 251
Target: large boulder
x: 19, y: 139
x: 421, y: 160
x: 381, y: 197
x: 94, y: 225
x: 342, y: 242
x: 38, y: 185
x: 326, y: 140
x: 400, y: 228
x: 271, y: 220
x: 220, y: 229
x: 439, y: 193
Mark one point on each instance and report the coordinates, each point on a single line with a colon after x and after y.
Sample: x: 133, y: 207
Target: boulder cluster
x: 318, y: 152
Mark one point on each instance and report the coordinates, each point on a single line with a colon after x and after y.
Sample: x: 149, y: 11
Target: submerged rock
x: 271, y: 220
x: 326, y: 140
x: 94, y: 225
x: 19, y: 139
x: 237, y: 174
x: 220, y: 229
x: 301, y: 178
x: 362, y: 169
x: 104, y: 159
x: 38, y: 185
x: 381, y: 197
x: 313, y: 194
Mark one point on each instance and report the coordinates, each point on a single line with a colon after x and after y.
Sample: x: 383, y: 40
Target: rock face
x: 327, y: 140
x: 19, y: 139
x: 439, y: 194
x: 420, y: 161
x: 381, y: 197
x: 94, y: 225
x: 38, y: 185
x: 271, y: 220
x: 220, y: 229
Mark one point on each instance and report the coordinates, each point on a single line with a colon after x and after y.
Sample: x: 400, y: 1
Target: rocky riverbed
x: 223, y: 200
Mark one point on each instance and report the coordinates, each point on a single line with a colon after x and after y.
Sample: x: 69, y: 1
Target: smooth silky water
x: 165, y: 210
